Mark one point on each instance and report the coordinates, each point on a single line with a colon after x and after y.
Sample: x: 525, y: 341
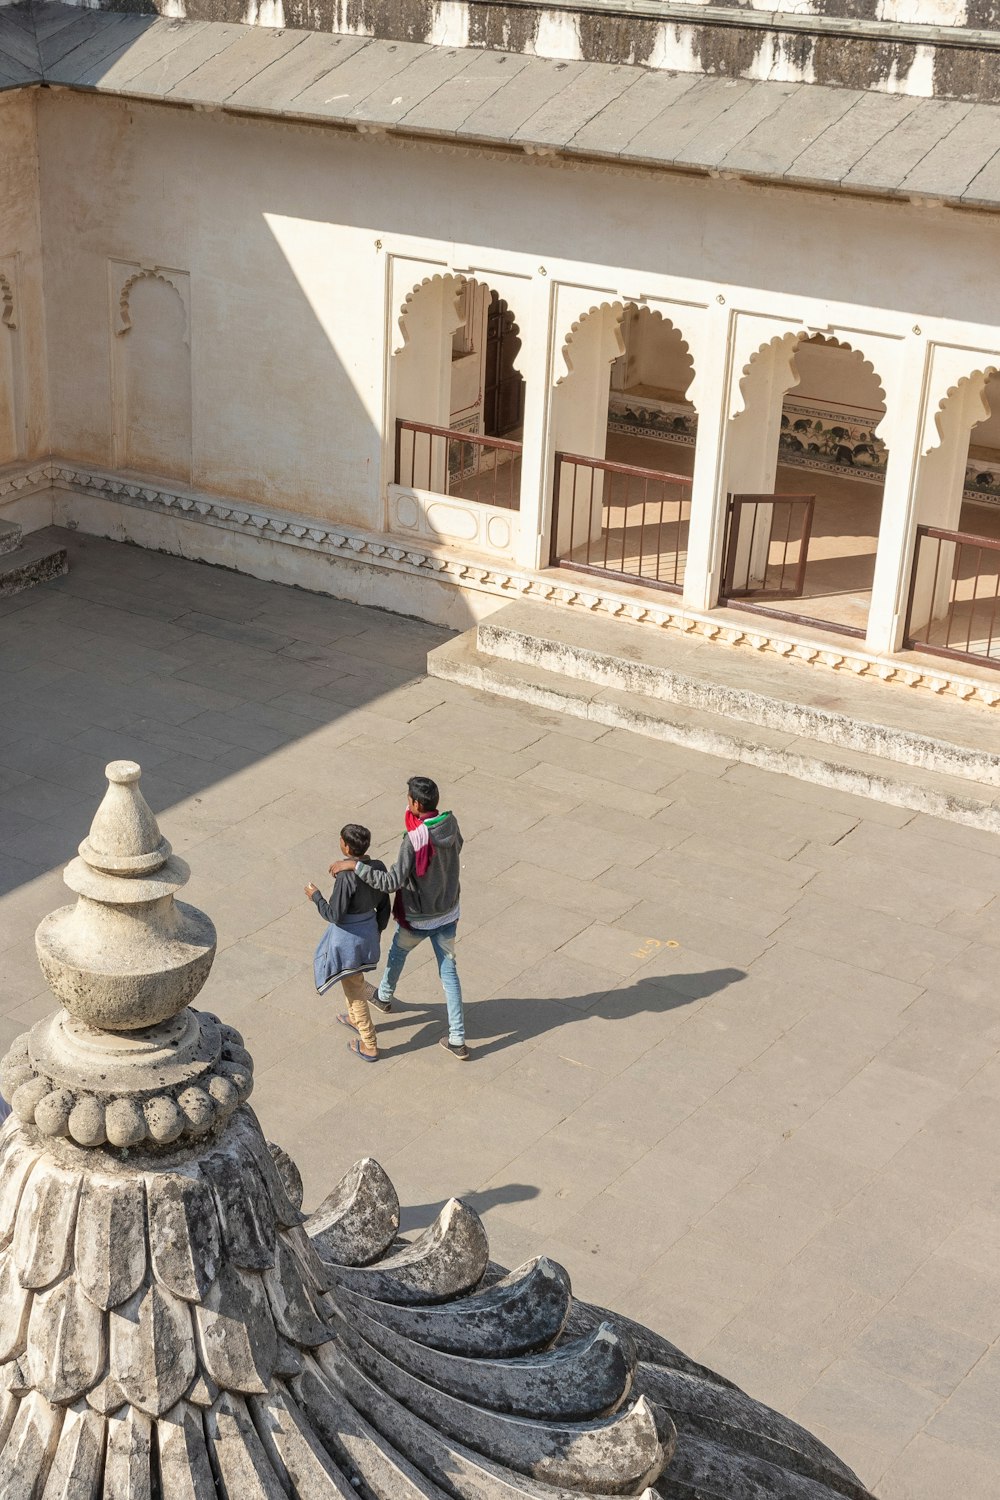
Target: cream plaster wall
x: 22, y: 322
x: 829, y: 374
x: 655, y: 353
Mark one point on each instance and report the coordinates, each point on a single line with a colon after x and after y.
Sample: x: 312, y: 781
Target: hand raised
x: 341, y: 865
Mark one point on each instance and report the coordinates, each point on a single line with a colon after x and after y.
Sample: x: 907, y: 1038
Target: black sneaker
x: 459, y: 1050
x: 385, y: 1006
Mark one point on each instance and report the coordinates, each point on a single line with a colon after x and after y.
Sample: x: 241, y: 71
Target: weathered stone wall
x: 949, y: 48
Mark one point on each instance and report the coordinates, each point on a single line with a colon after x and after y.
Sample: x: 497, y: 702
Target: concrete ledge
x: 654, y: 669
x: 911, y: 787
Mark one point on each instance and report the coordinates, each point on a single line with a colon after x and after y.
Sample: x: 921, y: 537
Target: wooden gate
x: 767, y: 546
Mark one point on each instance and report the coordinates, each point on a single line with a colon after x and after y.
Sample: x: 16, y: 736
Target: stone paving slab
x: 736, y: 1039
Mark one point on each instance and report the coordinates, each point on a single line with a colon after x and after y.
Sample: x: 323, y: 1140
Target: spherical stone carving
x: 198, y: 1110
x: 12, y: 1075
x: 37, y: 1072
x: 224, y: 1092
x: 53, y: 1111
x: 86, y: 1123
x: 165, y: 1120
x: 28, y: 1097
x: 240, y: 1076
x: 125, y: 1123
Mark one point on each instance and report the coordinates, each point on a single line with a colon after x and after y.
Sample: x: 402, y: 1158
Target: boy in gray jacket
x: 426, y: 882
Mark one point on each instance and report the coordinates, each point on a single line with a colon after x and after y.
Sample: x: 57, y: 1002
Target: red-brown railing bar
x: 965, y: 544
x: 405, y: 472
x: 625, y: 486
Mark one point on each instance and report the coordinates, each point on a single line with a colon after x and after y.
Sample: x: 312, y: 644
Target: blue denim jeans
x: 443, y: 942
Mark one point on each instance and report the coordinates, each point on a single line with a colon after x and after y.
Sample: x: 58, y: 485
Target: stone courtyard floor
x: 735, y: 1037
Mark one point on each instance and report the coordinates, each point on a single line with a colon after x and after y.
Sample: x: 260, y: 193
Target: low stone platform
x: 25, y: 563
x: 855, y: 735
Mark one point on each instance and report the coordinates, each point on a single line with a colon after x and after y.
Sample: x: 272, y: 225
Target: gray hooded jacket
x: 435, y: 894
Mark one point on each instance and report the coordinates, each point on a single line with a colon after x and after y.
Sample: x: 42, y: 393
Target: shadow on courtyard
x: 419, y: 1215
x: 507, y: 1020
x: 198, y: 673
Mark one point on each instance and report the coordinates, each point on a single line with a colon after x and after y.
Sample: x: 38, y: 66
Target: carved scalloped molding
x: 7, y: 307
x: 124, y: 276
x: 498, y: 579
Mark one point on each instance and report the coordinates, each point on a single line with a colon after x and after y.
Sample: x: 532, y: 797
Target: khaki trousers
x: 357, y: 992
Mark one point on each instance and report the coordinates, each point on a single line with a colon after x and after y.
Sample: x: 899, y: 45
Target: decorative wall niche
x: 151, y: 369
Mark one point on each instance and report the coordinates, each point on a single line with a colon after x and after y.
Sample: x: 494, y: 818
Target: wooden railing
x: 462, y: 464
x: 620, y: 520
x: 954, y: 603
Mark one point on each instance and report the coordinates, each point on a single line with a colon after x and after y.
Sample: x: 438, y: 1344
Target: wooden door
x: 503, y: 385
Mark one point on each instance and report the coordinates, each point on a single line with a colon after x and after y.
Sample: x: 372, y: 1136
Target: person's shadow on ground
x: 418, y: 1216
x: 506, y: 1020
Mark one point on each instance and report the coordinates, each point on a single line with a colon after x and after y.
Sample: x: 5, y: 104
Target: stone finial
x: 127, y: 955
x: 126, y: 1061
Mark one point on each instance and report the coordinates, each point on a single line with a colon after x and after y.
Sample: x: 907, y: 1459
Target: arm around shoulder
x: 386, y: 881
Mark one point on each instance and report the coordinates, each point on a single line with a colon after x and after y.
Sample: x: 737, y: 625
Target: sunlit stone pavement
x: 735, y: 1038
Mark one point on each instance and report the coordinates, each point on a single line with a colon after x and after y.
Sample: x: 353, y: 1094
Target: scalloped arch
x: 6, y: 302
x: 418, y: 287
x: 790, y: 341
x: 619, y: 307
x: 125, y: 297
x: 985, y: 371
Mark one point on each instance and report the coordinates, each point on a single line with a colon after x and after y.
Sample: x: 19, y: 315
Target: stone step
x: 717, y: 733
x: 10, y: 536
x: 35, y: 561
x: 888, y: 721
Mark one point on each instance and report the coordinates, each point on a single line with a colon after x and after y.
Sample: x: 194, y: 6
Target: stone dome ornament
x: 174, y: 1327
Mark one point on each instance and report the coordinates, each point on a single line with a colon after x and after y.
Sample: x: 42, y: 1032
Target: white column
x: 940, y: 485
x: 535, y: 363
x: 710, y: 394
x: 738, y: 456
x: 887, y: 611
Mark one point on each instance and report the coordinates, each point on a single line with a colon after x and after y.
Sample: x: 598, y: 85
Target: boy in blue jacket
x: 349, y: 948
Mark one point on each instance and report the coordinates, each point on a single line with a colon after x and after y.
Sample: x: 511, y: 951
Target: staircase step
x: 718, y: 733
x: 35, y: 561
x: 10, y: 536
x: 884, y: 720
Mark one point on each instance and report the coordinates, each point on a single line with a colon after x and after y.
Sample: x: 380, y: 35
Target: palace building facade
x: 683, y: 313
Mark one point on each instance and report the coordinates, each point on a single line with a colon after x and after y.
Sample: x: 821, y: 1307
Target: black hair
x: 357, y: 838
x: 425, y: 791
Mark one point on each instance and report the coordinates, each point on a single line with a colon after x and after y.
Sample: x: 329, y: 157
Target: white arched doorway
x: 804, y: 476
x: 953, y: 607
x: 458, y: 397
x: 624, y: 433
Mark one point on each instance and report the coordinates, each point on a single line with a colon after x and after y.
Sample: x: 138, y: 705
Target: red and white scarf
x: 420, y: 838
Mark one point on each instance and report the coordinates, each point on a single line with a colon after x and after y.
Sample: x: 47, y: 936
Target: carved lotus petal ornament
x: 172, y: 1326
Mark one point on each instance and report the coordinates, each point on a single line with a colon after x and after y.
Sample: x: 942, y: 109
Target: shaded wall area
x: 22, y: 342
